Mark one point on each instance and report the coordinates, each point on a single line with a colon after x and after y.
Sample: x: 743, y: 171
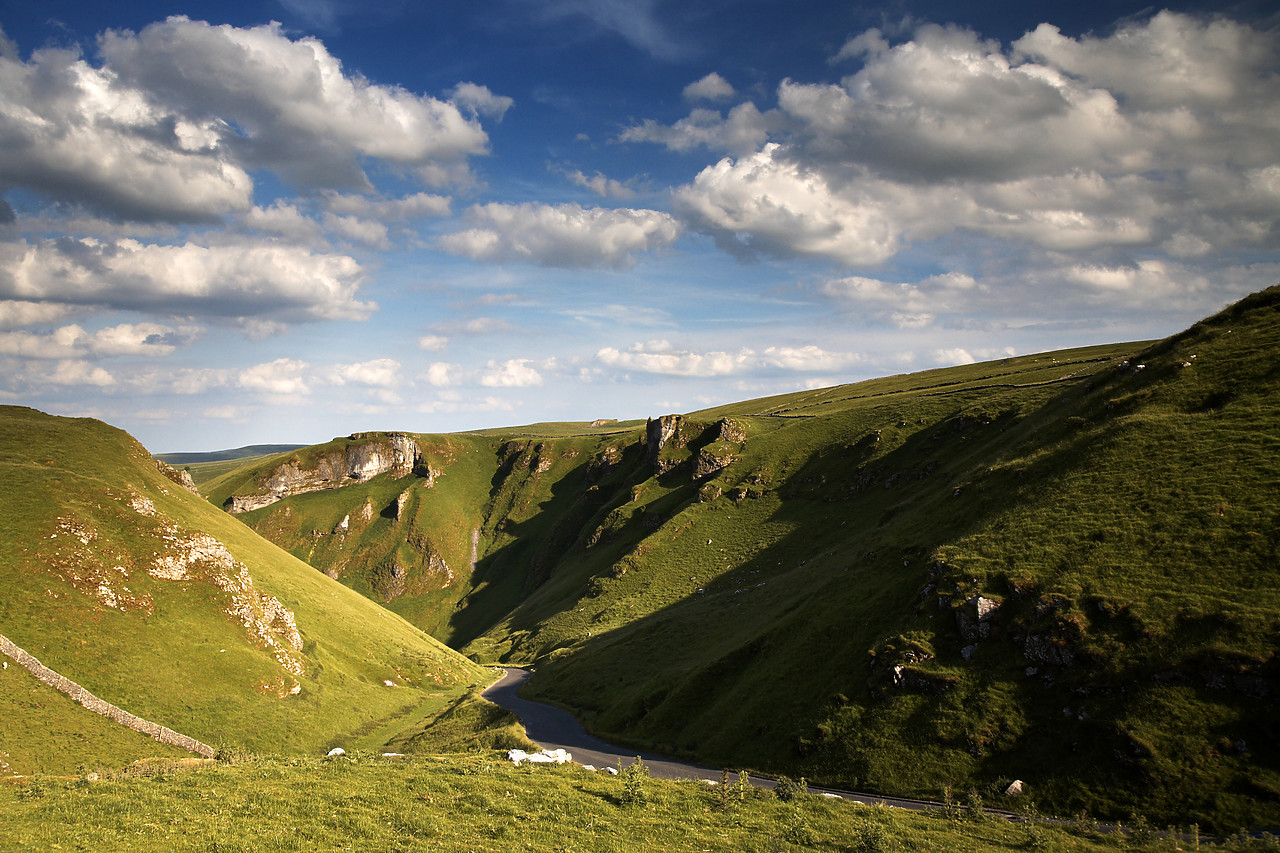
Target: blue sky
x: 233, y: 223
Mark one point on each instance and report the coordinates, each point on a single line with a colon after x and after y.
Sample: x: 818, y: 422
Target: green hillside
x: 1057, y: 568
x: 144, y: 594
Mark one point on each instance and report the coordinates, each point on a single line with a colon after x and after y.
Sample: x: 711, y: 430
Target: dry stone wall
x: 101, y: 706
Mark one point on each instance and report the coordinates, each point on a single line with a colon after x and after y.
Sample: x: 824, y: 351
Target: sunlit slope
x: 1058, y: 568
x: 1072, y: 583
x: 461, y: 541
x: 157, y: 602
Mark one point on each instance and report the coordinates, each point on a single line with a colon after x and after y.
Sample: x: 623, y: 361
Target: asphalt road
x: 555, y: 728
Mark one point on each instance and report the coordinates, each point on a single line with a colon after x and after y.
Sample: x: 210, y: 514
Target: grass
x: 808, y: 608
x: 167, y: 650
x: 471, y: 803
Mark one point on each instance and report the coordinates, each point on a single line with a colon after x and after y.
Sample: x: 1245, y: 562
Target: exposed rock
x: 142, y: 505
x: 373, y: 454
x: 709, y: 493
x: 1044, y: 648
x: 402, y: 500
x: 728, y: 430
x: 1015, y: 789
x: 709, y: 464
x: 344, y: 525
x: 599, y: 422
x: 366, y: 511
x: 967, y: 652
x: 179, y: 476
x: 268, y: 622
x: 602, y: 465
x: 972, y: 619
x: 657, y: 433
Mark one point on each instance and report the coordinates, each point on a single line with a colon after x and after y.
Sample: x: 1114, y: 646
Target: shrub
x: 634, y: 776
x: 868, y: 837
x: 797, y: 830
x: 788, y: 789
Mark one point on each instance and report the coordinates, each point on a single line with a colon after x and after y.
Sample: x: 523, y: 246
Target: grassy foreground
x: 474, y: 803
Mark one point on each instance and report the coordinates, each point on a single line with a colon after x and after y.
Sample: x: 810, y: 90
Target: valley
x: 1055, y: 568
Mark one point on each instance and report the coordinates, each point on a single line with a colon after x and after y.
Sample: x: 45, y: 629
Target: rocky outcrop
x: 177, y: 475
x: 392, y: 453
x: 658, y: 432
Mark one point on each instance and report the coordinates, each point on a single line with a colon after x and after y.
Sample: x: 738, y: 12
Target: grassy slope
x: 187, y: 664
x: 1125, y: 520
x: 467, y: 803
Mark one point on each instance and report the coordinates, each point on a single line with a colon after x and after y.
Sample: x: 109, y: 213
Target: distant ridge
x: 225, y: 455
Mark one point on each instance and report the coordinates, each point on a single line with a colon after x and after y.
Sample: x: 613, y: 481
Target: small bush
x: 868, y: 837
x: 788, y: 789
x: 797, y: 830
x: 634, y: 777
x: 1244, y: 843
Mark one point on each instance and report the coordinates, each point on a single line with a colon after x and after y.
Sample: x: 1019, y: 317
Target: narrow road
x: 555, y: 728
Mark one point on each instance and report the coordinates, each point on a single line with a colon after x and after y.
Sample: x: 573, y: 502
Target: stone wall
x: 99, y: 706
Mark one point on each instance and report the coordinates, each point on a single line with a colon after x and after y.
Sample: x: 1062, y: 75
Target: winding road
x: 555, y: 728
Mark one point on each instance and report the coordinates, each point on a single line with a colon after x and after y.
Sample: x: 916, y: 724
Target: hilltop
x: 1058, y: 568
x: 123, y: 581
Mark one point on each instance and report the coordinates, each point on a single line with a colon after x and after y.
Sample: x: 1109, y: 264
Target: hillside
x: 1056, y: 568
x: 119, y: 579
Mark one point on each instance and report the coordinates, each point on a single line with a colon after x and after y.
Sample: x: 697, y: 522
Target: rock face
x: 177, y: 475
x: 657, y: 433
x: 973, y: 619
x: 376, y: 453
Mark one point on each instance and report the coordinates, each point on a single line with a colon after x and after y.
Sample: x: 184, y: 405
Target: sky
x: 280, y: 221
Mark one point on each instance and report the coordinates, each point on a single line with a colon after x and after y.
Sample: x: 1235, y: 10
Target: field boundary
x: 100, y: 706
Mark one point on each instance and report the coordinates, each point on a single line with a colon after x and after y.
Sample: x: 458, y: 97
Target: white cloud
x: 433, y: 343
x: 292, y: 106
x: 80, y: 133
x: 284, y: 219
x: 565, y: 235
x: 239, y: 279
x: 283, y: 377
x: 713, y: 87
x: 512, y: 373
x: 365, y: 231
x: 600, y: 185
x: 76, y: 372
x: 410, y: 207
x: 742, y: 132
x: 766, y: 203
x: 379, y: 372
x: 1159, y: 136
x: 953, y: 356
x: 660, y: 356
x: 15, y: 314
x: 127, y: 339
x: 479, y: 100
x: 442, y: 374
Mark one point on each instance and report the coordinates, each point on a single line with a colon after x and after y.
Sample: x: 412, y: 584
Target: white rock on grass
x: 546, y: 756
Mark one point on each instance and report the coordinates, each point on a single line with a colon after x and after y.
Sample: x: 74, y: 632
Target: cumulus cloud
x: 433, y: 343
x: 292, y: 106
x: 565, y: 235
x: 1159, y: 136
x: 743, y: 131
x: 713, y: 87
x: 512, y: 373
x: 15, y: 314
x: 600, y: 185
x: 410, y: 207
x: 283, y: 377
x: 126, y: 339
x: 241, y: 279
x: 79, y: 133
x: 170, y: 123
x: 379, y: 372
x: 769, y: 204
x: 661, y: 357
x: 479, y: 100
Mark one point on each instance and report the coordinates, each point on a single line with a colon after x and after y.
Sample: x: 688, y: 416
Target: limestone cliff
x: 369, y: 455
